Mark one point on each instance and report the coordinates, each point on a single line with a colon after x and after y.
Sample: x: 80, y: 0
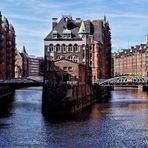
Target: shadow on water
x: 130, y: 99
x: 78, y: 117
x: 6, y: 106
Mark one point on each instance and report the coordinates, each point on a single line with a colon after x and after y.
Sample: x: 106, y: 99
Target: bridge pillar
x: 140, y: 87
x: 103, y: 93
x: 143, y: 88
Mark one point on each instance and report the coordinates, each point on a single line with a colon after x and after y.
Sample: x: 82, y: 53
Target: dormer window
x: 66, y: 34
x: 54, y: 34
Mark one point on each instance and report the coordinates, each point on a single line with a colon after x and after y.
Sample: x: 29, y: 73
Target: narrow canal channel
x: 122, y: 122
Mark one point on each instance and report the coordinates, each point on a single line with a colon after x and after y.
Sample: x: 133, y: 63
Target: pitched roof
x: 69, y: 25
x: 61, y: 26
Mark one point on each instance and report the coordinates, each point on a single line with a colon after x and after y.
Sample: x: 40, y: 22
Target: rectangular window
x: 54, y: 36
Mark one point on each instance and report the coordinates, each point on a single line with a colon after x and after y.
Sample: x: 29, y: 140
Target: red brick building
x: 64, y: 70
x: 7, y: 49
x: 132, y: 61
x: 82, y: 42
x: 25, y: 63
x: 18, y: 64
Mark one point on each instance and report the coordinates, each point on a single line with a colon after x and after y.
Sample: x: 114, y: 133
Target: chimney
x: 54, y: 22
x: 78, y: 22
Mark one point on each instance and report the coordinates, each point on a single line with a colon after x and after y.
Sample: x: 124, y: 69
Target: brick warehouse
x: 7, y: 49
x: 132, y: 61
x: 85, y: 42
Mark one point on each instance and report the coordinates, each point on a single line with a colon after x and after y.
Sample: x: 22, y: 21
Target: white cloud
x: 32, y: 18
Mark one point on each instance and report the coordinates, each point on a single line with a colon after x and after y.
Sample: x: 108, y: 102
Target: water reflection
x: 122, y: 122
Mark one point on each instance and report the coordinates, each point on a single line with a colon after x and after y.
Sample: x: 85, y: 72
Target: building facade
x: 71, y: 71
x: 7, y: 49
x: 41, y: 66
x: 82, y: 42
x: 133, y: 61
x: 18, y: 64
x: 33, y: 66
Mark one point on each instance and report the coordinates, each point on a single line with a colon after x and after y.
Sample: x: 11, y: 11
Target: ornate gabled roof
x: 82, y: 29
x: 65, y: 27
x: 87, y: 27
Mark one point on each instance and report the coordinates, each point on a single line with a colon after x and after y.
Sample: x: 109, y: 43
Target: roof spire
x: 104, y: 17
x: 82, y: 29
x: 24, y: 50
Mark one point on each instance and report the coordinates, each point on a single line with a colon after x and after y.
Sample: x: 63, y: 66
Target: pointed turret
x: 6, y: 23
x: 24, y: 51
x: 0, y: 14
x: 105, y: 18
x: 82, y: 29
x: 0, y: 18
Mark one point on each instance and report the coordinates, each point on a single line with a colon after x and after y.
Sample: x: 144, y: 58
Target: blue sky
x: 32, y: 19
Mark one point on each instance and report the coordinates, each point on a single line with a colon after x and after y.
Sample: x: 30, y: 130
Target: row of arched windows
x: 64, y: 48
x: 72, y: 58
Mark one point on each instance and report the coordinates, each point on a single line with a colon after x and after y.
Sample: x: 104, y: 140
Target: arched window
x: 58, y: 49
x: 75, y: 47
x: 60, y: 57
x: 51, y: 48
x: 73, y: 58
x: 63, y: 48
x: 70, y: 48
x: 70, y: 58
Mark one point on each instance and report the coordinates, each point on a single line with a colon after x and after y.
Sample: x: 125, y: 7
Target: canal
x: 122, y: 122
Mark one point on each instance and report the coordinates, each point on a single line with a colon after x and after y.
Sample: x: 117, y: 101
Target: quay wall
x: 6, y: 97
x: 69, y: 100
